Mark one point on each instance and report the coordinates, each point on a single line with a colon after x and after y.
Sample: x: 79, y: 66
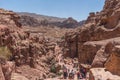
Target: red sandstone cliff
x: 32, y: 55
x: 93, y: 43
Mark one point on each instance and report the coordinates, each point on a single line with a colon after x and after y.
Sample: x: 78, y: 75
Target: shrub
x: 63, y: 37
x: 5, y: 52
x: 53, y: 69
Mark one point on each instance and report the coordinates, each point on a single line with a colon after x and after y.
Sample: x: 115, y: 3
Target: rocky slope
x: 31, y: 55
x: 93, y: 43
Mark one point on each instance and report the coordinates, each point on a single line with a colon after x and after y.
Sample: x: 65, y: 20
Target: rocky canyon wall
x: 95, y: 40
x: 112, y: 63
x: 23, y: 48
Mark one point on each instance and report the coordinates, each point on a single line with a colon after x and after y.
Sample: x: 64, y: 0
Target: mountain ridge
x: 59, y: 19
x: 35, y: 20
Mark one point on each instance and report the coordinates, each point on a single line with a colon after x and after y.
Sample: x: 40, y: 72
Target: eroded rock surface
x: 28, y: 51
x: 112, y: 63
x: 101, y: 73
x: 94, y: 42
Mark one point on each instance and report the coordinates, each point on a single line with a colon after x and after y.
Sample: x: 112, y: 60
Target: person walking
x: 78, y: 74
x: 83, y: 72
x: 65, y: 73
x: 75, y: 77
x: 70, y: 75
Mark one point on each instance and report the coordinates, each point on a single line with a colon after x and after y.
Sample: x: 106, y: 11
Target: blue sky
x: 78, y: 9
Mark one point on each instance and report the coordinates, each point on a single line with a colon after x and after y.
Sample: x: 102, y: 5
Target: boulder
x: 101, y: 74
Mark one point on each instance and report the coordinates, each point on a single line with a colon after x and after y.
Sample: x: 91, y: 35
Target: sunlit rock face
x: 1, y: 73
x: 112, y: 63
x: 102, y: 73
x: 33, y: 54
x: 94, y: 42
x: 9, y: 18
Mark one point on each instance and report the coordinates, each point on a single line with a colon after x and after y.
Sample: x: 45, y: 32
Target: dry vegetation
x: 5, y: 52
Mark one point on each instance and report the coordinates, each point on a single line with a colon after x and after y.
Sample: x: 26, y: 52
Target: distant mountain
x: 82, y: 22
x: 33, y: 20
x: 42, y: 17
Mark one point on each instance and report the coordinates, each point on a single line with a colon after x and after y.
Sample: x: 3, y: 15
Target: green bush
x: 5, y: 52
x: 53, y: 69
x: 63, y: 37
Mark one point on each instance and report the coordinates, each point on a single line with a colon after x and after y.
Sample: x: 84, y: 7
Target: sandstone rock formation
x: 112, y: 63
x: 7, y: 69
x: 69, y: 23
x: 1, y: 73
x: 35, y: 52
x: 94, y: 42
x: 9, y: 18
x: 101, y: 73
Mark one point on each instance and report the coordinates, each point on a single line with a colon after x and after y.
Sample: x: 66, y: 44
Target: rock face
x: 1, y: 73
x: 7, y: 69
x: 93, y: 42
x: 35, y: 52
x: 17, y: 44
x: 9, y: 18
x: 11, y: 35
x: 101, y: 73
x: 112, y: 63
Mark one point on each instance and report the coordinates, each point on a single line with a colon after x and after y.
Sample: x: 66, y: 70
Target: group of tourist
x: 71, y: 73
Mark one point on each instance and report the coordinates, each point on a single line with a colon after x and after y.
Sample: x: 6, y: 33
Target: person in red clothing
x: 78, y: 74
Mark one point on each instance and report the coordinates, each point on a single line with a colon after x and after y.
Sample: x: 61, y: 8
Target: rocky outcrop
x: 102, y: 73
x: 9, y: 18
x: 25, y: 49
x: 93, y: 42
x: 109, y: 16
x: 112, y: 63
x: 7, y: 69
x: 1, y: 73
